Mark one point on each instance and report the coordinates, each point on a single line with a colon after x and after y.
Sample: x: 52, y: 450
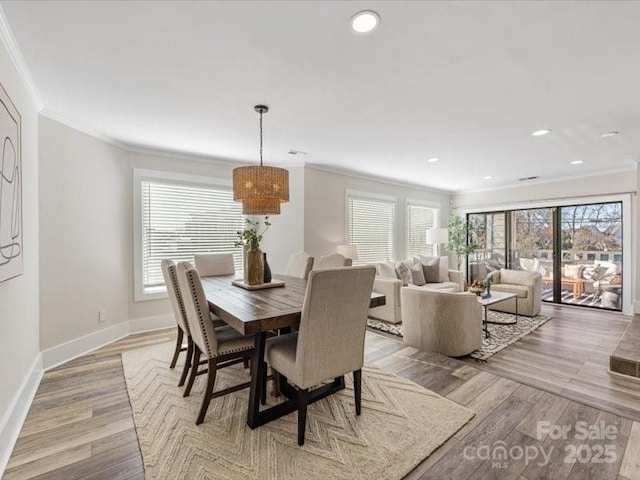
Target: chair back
x: 333, y: 323
x: 333, y: 260
x: 197, y: 308
x: 175, y: 295
x: 300, y: 264
x: 212, y: 264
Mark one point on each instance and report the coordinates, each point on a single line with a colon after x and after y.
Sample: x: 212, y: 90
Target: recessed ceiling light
x: 609, y: 134
x: 577, y: 162
x: 365, y: 21
x: 487, y: 177
x: 540, y: 133
x: 433, y: 159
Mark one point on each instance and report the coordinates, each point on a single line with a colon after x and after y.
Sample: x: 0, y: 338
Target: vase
x: 267, y: 268
x: 254, y: 266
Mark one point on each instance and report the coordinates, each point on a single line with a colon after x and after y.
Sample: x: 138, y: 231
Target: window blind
x: 372, y: 228
x: 419, y: 219
x: 179, y: 220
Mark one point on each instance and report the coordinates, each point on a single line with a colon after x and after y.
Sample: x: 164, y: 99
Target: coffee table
x: 496, y: 297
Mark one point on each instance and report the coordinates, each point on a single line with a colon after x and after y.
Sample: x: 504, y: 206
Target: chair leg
x: 277, y: 382
x: 357, y: 390
x: 303, y: 401
x: 194, y: 370
x: 206, y: 399
x: 187, y: 362
x: 177, y: 350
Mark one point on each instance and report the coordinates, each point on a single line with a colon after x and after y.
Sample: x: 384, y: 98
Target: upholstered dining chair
x: 330, y: 340
x: 332, y: 261
x: 212, y: 264
x: 221, y: 347
x: 180, y: 315
x: 300, y: 264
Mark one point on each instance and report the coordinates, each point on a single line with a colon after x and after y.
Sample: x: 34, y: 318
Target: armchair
x: 442, y: 322
x: 526, y: 285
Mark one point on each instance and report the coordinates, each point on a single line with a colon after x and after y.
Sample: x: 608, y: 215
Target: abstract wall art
x: 10, y: 189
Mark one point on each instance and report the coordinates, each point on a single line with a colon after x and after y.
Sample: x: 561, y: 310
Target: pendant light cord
x: 260, y: 138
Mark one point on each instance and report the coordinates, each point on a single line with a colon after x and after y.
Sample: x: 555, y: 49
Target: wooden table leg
x: 257, y: 372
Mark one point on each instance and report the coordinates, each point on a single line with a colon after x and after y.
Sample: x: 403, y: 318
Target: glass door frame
x: 557, y: 243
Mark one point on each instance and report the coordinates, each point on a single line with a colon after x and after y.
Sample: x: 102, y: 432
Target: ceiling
x: 464, y: 81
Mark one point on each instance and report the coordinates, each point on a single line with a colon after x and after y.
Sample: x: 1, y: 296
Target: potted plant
x: 460, y: 242
x: 254, y: 260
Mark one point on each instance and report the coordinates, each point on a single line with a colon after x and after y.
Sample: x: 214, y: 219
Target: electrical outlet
x: 102, y: 315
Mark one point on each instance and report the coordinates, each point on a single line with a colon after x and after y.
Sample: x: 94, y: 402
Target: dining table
x: 261, y: 313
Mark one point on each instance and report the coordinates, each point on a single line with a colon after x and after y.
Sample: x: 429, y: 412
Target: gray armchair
x: 442, y: 322
x: 526, y: 285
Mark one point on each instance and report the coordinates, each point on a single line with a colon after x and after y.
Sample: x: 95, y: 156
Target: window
x: 372, y: 227
x: 176, y: 219
x: 419, y: 219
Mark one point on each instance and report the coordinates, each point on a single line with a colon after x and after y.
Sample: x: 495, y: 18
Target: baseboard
x: 54, y: 356
x: 148, y: 324
x: 14, y: 417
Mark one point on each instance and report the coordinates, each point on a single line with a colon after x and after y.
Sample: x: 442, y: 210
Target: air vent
x: 526, y: 179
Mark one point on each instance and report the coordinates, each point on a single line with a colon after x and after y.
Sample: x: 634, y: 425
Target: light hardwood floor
x: 80, y: 424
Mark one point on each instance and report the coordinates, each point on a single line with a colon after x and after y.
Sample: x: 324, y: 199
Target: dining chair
x: 332, y: 260
x: 221, y: 347
x: 175, y: 296
x: 300, y: 264
x: 330, y: 340
x: 213, y: 264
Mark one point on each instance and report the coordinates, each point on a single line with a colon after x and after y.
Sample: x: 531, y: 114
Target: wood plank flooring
x: 80, y: 424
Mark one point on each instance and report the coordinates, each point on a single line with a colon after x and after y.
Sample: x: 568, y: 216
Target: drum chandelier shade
x: 260, y: 189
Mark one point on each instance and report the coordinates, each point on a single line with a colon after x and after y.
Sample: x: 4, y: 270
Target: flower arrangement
x: 252, y: 233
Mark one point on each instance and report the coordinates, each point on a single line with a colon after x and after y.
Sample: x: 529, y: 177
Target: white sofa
x: 391, y: 287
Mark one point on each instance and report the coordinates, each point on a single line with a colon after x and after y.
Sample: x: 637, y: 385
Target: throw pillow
x: 417, y: 274
x: 431, y: 270
x: 573, y: 271
x: 387, y: 269
x: 404, y: 273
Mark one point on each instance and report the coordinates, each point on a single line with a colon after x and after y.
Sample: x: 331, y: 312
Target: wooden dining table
x: 260, y: 313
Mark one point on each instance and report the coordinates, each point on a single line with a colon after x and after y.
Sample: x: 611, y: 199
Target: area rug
x: 501, y: 336
x: 401, y: 424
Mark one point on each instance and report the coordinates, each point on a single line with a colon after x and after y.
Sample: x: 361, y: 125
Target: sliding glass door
x: 592, y: 260
x: 582, y: 243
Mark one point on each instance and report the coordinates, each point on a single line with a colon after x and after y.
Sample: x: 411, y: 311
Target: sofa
x: 526, y: 285
x: 388, y: 284
x: 442, y: 322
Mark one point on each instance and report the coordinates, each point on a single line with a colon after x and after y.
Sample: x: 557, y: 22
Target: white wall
x: 83, y: 252
x: 19, y: 296
x: 569, y: 188
x: 325, y: 209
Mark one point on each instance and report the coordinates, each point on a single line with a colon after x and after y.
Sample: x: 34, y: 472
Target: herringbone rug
x: 401, y: 424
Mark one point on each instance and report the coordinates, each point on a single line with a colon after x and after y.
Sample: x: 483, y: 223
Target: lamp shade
x: 260, y: 189
x: 436, y: 236
x: 349, y: 251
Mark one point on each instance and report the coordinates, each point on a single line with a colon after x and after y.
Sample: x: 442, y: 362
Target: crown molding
x: 374, y: 178
x: 543, y: 181
x: 81, y: 128
x: 9, y: 41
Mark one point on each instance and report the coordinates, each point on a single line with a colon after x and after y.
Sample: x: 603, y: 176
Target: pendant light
x: 260, y: 189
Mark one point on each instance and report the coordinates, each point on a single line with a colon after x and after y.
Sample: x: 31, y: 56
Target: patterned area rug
x: 501, y: 335
x: 401, y: 424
